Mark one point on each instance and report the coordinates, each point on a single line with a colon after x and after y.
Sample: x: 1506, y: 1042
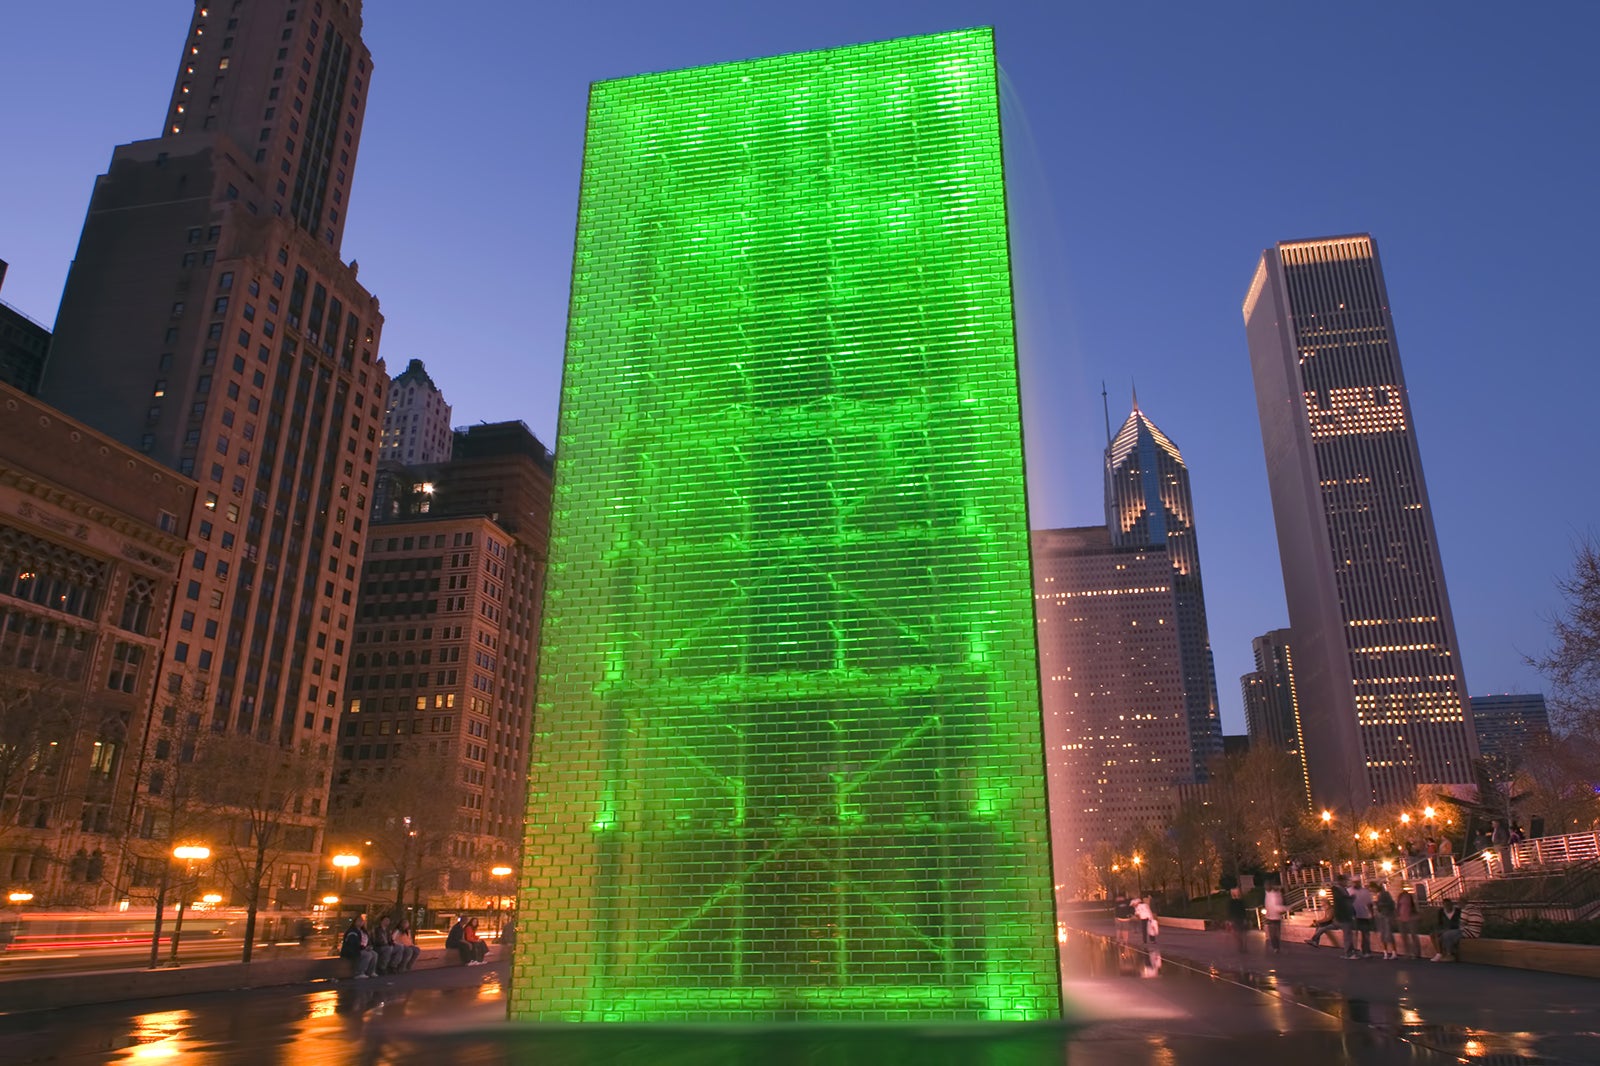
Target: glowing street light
x: 328, y: 901
x: 499, y: 872
x: 191, y: 854
x: 211, y: 899
x: 1138, y: 870
x: 345, y: 862
x: 1405, y: 818
x: 20, y: 897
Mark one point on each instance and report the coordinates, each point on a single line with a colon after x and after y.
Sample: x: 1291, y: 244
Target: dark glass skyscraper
x: 1271, y: 706
x: 1377, y: 663
x: 1148, y: 505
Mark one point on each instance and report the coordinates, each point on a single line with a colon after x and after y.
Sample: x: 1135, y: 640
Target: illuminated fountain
x: 787, y: 755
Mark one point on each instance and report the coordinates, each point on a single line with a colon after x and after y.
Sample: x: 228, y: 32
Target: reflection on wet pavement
x: 1125, y: 1007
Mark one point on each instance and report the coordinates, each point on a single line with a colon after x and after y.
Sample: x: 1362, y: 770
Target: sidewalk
x: 1459, y: 1008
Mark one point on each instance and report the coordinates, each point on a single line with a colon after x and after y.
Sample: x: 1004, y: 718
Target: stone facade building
x: 91, y: 550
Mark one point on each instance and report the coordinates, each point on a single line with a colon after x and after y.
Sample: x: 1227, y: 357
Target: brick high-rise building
x: 209, y: 323
x: 1116, y: 724
x: 1377, y: 664
x: 446, y: 649
x: 91, y: 545
x: 1148, y: 505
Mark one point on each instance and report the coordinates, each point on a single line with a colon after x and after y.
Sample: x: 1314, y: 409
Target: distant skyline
x: 1150, y: 160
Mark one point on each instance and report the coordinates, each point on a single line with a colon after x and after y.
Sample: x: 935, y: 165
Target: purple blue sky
x: 1153, y: 150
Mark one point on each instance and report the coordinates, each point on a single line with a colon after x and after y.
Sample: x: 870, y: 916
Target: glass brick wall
x: 787, y: 759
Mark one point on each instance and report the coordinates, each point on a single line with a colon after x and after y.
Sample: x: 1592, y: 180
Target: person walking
x: 1405, y: 915
x: 1500, y: 837
x: 1383, y: 911
x: 1145, y: 916
x: 357, y: 947
x: 1236, y: 918
x: 1324, y: 923
x: 1344, y: 915
x: 1122, y: 914
x: 1273, y: 912
x: 1447, y: 857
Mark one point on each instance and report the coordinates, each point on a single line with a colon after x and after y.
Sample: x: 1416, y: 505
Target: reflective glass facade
x: 787, y: 761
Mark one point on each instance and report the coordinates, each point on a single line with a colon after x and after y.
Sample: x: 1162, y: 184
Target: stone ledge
x: 56, y: 991
x: 1578, y: 960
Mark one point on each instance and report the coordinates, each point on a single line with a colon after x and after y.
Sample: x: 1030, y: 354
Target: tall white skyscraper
x: 1377, y: 664
x: 416, y: 426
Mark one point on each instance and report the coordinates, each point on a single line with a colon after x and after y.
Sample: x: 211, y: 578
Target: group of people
x: 1359, y: 910
x: 464, y: 940
x: 390, y: 948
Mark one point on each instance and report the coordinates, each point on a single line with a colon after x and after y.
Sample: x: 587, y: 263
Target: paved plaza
x: 1199, y: 1003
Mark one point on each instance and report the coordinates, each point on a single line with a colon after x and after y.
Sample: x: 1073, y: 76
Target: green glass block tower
x: 787, y: 759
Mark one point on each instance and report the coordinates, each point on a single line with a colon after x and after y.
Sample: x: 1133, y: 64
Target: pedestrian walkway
x: 1462, y: 1009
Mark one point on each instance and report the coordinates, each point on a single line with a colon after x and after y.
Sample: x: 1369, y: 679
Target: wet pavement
x: 1127, y: 1008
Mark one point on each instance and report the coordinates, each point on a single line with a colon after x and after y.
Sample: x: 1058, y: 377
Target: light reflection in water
x: 157, y: 1035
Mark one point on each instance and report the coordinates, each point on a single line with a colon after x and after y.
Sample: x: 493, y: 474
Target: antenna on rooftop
x: 1104, y: 402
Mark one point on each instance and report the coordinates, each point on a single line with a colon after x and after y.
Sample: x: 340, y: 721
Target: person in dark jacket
x: 1344, y: 916
x: 357, y: 947
x: 456, y: 940
x: 383, y: 943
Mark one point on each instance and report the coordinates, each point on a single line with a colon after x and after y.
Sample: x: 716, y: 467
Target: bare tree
x: 407, y: 811
x: 1573, y: 663
x: 255, y: 793
x: 38, y: 724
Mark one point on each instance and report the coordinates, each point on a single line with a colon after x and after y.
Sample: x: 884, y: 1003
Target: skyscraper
x: 23, y: 344
x: 1271, y: 705
x: 1111, y: 668
x: 209, y: 323
x: 1377, y: 664
x: 446, y: 648
x: 1148, y: 505
x: 788, y: 761
x: 1509, y: 727
x: 416, y: 427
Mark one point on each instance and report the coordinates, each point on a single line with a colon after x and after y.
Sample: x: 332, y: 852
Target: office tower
x: 416, y: 428
x: 1148, y: 505
x: 788, y: 762
x: 209, y: 323
x: 1271, y: 705
x: 446, y: 650
x: 1509, y: 727
x: 1111, y: 668
x: 91, y: 544
x: 23, y: 344
x: 1377, y: 664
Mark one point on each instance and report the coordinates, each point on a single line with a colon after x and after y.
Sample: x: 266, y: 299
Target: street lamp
x: 345, y: 863
x: 191, y: 854
x: 1138, y: 871
x: 498, y: 872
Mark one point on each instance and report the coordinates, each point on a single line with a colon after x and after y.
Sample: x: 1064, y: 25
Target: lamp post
x: 499, y: 873
x: 1138, y: 872
x: 345, y: 862
x: 191, y: 854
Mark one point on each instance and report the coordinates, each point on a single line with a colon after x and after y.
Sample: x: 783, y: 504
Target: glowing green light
x: 787, y: 759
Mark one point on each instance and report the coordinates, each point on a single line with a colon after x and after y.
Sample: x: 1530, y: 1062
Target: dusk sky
x: 1153, y: 150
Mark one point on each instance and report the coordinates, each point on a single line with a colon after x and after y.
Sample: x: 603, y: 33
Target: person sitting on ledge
x: 479, y: 946
x: 357, y: 947
x: 1449, y: 932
